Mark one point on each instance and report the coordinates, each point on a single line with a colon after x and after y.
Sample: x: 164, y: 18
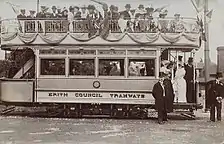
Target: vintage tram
x: 68, y: 69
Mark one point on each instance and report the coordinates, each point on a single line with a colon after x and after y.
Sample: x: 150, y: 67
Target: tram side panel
x: 16, y: 91
x: 104, y: 91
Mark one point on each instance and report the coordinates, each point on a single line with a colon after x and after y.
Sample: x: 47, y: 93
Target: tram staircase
x: 24, y: 62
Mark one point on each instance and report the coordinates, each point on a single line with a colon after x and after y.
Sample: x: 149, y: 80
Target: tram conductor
x: 215, y: 96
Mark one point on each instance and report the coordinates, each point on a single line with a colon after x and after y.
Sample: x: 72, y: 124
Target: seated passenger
x: 43, y: 13
x: 65, y: 13
x: 126, y: 14
x: 32, y: 14
x: 133, y: 69
x: 59, y: 12
x: 114, y: 70
x: 77, y: 13
x: 122, y: 23
x: 22, y: 15
x: 176, y: 25
x: 140, y: 10
x: 162, y: 22
x: 84, y: 12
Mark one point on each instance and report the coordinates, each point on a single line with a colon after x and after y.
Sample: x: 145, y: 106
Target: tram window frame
x: 141, y: 59
x: 112, y: 59
x: 81, y: 58
x: 52, y: 75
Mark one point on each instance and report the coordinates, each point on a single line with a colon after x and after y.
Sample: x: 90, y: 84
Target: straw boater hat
x: 58, y: 8
x: 64, y: 9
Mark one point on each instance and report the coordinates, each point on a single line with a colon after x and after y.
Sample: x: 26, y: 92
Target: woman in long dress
x: 180, y: 85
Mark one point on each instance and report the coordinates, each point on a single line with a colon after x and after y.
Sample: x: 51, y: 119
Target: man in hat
x: 43, y: 13
x: 176, y: 25
x: 22, y: 15
x: 162, y: 22
x: 126, y: 13
x: 189, y: 77
x: 77, y: 13
x: 215, y: 95
x: 161, y: 93
x: 140, y: 11
x: 59, y: 12
x: 32, y: 14
x: 54, y: 13
x: 84, y: 12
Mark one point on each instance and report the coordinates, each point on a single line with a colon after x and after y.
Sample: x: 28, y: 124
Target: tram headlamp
x: 96, y: 84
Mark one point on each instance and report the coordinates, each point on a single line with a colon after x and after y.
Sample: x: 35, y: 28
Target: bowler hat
x: 219, y: 75
x: 53, y: 7
x: 91, y: 7
x: 180, y: 58
x: 112, y: 7
x: 22, y: 10
x: 127, y: 6
x: 141, y: 6
x: 177, y: 14
x: 190, y: 59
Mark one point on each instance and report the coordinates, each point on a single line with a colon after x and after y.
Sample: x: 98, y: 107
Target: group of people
x: 132, y: 20
x: 182, y: 89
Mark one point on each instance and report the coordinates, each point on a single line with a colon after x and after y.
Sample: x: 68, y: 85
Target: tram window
x: 138, y: 67
x: 52, y: 66
x: 84, y: 67
x: 110, y: 67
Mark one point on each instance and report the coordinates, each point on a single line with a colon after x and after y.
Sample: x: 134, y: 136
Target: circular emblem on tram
x: 96, y: 84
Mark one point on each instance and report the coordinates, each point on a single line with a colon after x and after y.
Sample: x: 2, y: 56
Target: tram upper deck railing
x: 163, y: 25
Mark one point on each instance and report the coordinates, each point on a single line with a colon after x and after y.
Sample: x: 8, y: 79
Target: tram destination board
x: 94, y: 97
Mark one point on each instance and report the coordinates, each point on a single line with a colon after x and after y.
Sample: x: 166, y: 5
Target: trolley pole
x: 206, y: 51
x: 38, y: 3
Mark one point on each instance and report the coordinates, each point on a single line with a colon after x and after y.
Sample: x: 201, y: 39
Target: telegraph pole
x: 206, y: 51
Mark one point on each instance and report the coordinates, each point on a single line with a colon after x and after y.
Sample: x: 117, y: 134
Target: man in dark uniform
x: 161, y: 92
x: 215, y: 95
x: 189, y: 77
x: 127, y: 12
x: 22, y: 15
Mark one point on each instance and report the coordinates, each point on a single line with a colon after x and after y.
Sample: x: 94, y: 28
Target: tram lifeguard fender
x: 16, y: 91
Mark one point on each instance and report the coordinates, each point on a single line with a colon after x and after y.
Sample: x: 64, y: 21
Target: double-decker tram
x: 80, y: 69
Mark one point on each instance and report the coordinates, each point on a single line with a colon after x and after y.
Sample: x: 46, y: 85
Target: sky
x: 184, y: 7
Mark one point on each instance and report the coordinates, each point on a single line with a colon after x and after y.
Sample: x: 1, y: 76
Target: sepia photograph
x: 111, y: 72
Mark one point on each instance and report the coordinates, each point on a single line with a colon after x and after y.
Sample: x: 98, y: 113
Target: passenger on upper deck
x: 22, y: 15
x: 77, y: 13
x: 32, y: 14
x: 113, y: 14
x: 176, y: 25
x: 54, y: 14
x: 65, y: 13
x: 84, y: 12
x: 43, y: 13
x: 140, y: 11
x: 163, y: 24
x: 127, y: 13
x: 59, y: 12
